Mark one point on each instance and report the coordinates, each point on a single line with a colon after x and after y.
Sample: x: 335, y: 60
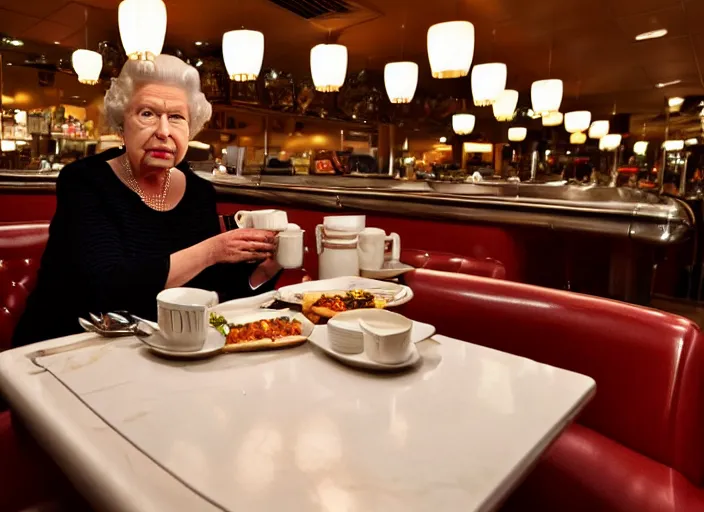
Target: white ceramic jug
x: 372, y: 248
x: 337, y: 255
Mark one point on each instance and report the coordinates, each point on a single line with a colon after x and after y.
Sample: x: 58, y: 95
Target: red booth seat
x: 639, y: 444
x: 448, y: 262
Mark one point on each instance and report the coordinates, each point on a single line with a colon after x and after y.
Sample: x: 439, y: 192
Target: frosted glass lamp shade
x: 463, y: 124
x: 578, y: 121
x: 401, y: 80
x: 328, y: 65
x: 87, y: 65
x: 640, y: 147
x: 517, y: 134
x: 142, y: 26
x: 505, y: 105
x: 673, y: 145
x: 578, y: 138
x: 553, y: 119
x: 599, y: 129
x: 243, y: 52
x: 488, y: 82
x: 451, y: 49
x: 546, y: 96
x: 610, y: 142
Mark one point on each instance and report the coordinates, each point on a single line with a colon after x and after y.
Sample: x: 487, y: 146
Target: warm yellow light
x: 328, y: 65
x: 675, y: 102
x: 463, y: 124
x: 546, y: 96
x: 505, y: 105
x: 478, y: 147
x: 553, y: 119
x: 610, y: 142
x: 578, y: 121
x: 640, y: 147
x: 517, y: 134
x: 691, y: 142
x: 142, y: 27
x: 87, y: 65
x: 578, y: 138
x: 488, y: 82
x: 673, y: 145
x: 451, y: 49
x: 401, y: 80
x: 243, y: 52
x: 599, y: 129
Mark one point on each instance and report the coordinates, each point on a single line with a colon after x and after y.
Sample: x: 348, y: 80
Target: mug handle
x: 395, y: 246
x: 319, y: 238
x: 243, y: 219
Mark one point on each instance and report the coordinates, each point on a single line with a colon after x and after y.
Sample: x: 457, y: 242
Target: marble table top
x: 289, y: 430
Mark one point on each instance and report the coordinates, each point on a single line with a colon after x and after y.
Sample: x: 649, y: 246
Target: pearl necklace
x: 155, y: 202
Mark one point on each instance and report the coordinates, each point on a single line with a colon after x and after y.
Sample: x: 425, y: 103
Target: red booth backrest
x: 648, y: 365
x: 448, y: 262
x: 21, y: 249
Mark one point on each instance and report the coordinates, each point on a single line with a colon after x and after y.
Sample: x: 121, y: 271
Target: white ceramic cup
x: 372, y: 248
x: 272, y: 220
x: 183, y: 317
x: 387, y: 336
x: 344, y: 223
x: 290, y: 248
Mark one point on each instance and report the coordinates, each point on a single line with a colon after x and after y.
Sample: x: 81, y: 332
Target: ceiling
x: 587, y: 43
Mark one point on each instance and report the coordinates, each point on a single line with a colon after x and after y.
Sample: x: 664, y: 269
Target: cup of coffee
x: 372, y: 248
x: 387, y: 336
x: 271, y: 220
x: 290, y: 248
x: 183, y: 317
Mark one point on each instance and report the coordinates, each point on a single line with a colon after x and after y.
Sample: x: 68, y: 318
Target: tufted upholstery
x: 448, y: 262
x: 21, y: 248
x: 638, y: 445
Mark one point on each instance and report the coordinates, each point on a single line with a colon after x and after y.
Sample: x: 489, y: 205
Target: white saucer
x: 419, y: 332
x: 390, y: 270
x: 213, y: 345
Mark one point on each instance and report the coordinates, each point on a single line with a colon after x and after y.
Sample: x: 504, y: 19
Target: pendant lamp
x: 610, y: 142
x: 243, y: 52
x: 328, y: 65
x: 599, y: 129
x: 451, y: 49
x: 463, y: 124
x: 553, y: 119
x: 505, y: 105
x: 546, y: 96
x: 517, y: 134
x: 488, y: 82
x: 578, y: 121
x: 640, y: 147
x: 401, y: 80
x: 578, y: 138
x: 673, y: 145
x: 87, y: 64
x: 142, y: 28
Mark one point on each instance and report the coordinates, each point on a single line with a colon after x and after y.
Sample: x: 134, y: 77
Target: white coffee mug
x: 271, y: 220
x: 387, y: 336
x: 290, y: 248
x: 183, y: 317
x: 372, y: 248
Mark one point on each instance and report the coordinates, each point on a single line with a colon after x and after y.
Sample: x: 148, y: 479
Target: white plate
x: 390, y: 270
x: 419, y: 332
x: 212, y: 346
x: 395, y: 294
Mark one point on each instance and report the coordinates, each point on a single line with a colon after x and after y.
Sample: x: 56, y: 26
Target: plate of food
x: 392, y: 294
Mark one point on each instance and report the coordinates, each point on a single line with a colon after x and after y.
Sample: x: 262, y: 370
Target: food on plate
x: 317, y: 306
x: 264, y: 331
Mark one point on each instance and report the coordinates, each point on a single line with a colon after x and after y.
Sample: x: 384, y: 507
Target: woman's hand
x: 241, y: 245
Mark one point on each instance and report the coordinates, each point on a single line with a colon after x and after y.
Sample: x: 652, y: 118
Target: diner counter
x: 619, y: 212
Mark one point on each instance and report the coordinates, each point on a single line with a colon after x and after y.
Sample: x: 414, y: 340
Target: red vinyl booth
x: 639, y: 444
x: 449, y: 262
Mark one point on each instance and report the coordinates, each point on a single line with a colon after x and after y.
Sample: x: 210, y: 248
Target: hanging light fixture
x: 553, y: 119
x: 578, y: 121
x: 505, y: 105
x: 578, y: 138
x: 463, y: 124
x: 691, y: 142
x: 517, y: 134
x: 599, y: 129
x: 243, y: 53
x: 142, y: 28
x: 488, y: 82
x: 328, y: 65
x: 546, y: 96
x: 673, y: 145
x: 401, y: 80
x: 610, y: 142
x: 451, y: 49
x: 640, y: 147
x: 87, y: 64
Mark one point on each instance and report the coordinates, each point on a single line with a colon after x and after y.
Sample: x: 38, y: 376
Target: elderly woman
x: 131, y: 222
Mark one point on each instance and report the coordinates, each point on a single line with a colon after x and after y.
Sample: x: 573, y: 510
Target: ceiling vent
x: 332, y: 15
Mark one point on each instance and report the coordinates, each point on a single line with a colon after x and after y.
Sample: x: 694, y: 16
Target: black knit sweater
x: 108, y: 251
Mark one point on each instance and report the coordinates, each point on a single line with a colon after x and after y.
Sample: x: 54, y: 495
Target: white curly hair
x: 165, y: 69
